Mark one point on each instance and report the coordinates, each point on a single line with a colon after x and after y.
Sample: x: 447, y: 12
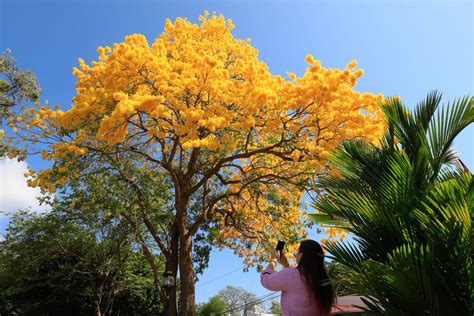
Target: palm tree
x: 410, y: 212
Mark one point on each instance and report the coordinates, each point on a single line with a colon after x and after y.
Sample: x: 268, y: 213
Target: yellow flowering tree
x: 239, y: 144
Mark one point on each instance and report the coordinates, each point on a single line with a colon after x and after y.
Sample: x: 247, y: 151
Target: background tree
x: 215, y: 306
x: 336, y: 275
x: 410, y: 212
x: 138, y: 295
x: 56, y: 265
x: 275, y: 308
x: 90, y: 242
x: 200, y: 106
x: 17, y: 89
x: 34, y: 258
x: 237, y: 299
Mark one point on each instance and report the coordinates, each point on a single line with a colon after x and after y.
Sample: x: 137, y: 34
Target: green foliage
x: 17, y: 89
x: 336, y: 274
x: 78, y: 259
x: 110, y: 203
x: 215, y: 306
x: 410, y: 212
x: 275, y: 308
x: 42, y: 267
x: 138, y: 295
x: 130, y: 190
x: 51, y: 264
x: 231, y: 300
x: 16, y: 86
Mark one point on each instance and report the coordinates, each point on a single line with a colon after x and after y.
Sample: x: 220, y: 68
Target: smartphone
x: 280, y: 245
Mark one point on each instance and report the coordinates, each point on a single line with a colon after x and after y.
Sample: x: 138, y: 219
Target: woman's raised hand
x: 275, y: 256
x: 283, y: 260
x: 279, y: 256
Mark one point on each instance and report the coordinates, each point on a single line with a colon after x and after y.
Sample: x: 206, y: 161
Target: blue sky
x: 406, y: 48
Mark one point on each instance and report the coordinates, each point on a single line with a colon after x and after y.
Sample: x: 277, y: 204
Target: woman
x: 305, y: 289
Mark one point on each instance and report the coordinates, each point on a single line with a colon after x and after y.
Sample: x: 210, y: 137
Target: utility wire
x: 238, y: 307
x: 220, y: 277
x: 257, y: 300
x: 245, y: 306
x: 262, y: 300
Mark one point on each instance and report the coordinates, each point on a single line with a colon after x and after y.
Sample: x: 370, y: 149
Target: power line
x: 257, y: 300
x: 245, y: 306
x: 262, y: 300
x: 220, y: 277
x: 238, y: 307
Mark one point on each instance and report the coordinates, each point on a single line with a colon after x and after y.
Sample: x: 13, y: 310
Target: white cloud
x: 14, y: 193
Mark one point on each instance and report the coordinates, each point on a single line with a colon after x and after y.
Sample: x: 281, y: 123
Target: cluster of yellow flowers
x: 333, y: 233
x: 200, y: 87
x: 266, y: 222
x: 196, y: 76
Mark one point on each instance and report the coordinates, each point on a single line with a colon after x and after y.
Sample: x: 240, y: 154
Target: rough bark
x: 187, y: 277
x: 185, y: 261
x: 97, y: 300
x: 172, y: 265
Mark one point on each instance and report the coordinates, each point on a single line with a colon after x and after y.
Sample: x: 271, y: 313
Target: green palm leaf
x: 449, y: 122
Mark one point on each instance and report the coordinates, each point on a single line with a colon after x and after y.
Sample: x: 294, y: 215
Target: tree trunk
x: 171, y: 306
x: 97, y: 300
x: 172, y: 265
x: 185, y: 261
x: 187, y: 278
x: 97, y: 308
x: 99, y: 292
x: 110, y: 294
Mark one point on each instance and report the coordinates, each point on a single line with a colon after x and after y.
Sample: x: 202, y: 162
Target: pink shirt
x: 296, y: 297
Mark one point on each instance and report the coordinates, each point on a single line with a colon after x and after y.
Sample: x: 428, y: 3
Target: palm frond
x: 347, y: 254
x: 328, y: 220
x: 425, y: 110
x: 449, y: 122
x: 403, y: 124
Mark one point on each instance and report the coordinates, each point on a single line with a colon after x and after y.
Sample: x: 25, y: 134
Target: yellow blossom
x: 352, y: 64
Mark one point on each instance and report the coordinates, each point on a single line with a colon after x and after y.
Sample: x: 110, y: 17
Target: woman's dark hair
x: 311, y: 266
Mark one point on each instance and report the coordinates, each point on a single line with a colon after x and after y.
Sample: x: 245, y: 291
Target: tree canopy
x: 18, y: 88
